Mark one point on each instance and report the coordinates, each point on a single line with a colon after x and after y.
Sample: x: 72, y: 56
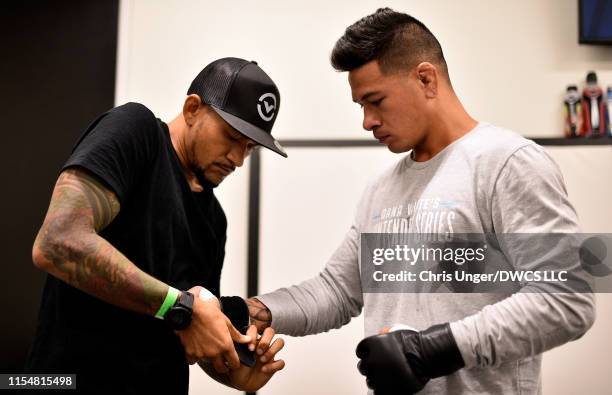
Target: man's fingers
x: 264, y: 341
x: 252, y: 332
x: 191, y: 359
x: 273, y: 367
x: 219, y: 365
x: 236, y: 335
x: 276, y: 346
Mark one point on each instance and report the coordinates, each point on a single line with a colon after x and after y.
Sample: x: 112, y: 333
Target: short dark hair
x: 397, y: 40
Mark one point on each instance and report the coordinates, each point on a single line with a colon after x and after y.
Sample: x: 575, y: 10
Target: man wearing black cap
x: 134, y: 243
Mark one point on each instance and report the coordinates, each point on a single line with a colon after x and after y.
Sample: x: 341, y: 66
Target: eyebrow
x: 236, y: 134
x: 366, y: 96
x: 231, y: 131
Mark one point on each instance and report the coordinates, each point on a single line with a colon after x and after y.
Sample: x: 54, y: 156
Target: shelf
x: 574, y: 141
x: 545, y: 141
x: 328, y: 143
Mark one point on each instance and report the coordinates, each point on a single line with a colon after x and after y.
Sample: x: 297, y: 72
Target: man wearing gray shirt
x: 460, y: 176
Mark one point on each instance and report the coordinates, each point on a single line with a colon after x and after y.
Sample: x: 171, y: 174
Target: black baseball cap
x: 244, y: 96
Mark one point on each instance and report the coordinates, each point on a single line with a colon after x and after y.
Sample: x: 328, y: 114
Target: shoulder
x: 533, y: 160
x: 492, y: 143
x: 133, y: 113
x: 128, y: 116
x: 505, y: 161
x: 130, y: 127
x: 488, y: 149
x: 134, y: 109
x: 132, y: 121
x: 508, y: 148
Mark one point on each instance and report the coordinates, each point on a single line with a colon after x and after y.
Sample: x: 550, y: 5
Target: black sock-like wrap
x: 236, y: 309
x: 440, y: 353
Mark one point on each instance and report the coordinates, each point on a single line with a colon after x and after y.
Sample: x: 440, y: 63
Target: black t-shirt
x: 165, y: 229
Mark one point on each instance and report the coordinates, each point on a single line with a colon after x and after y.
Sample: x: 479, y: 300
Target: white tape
x: 400, y: 327
x: 206, y: 295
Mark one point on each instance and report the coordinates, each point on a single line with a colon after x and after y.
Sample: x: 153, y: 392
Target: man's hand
x: 251, y: 379
x: 210, y: 335
x: 405, y: 360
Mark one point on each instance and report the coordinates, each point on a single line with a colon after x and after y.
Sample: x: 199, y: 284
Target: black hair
x: 397, y: 40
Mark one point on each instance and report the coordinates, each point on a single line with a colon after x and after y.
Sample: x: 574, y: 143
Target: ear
x: 191, y: 107
x: 428, y: 77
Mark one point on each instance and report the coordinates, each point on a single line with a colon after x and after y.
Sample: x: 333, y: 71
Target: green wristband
x: 171, y: 298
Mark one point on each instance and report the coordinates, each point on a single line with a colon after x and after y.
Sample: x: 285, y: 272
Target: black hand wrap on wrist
x: 236, y: 309
x: 439, y: 353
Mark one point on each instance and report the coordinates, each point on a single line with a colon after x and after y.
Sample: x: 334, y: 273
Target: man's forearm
x: 94, y: 266
x: 522, y: 325
x: 68, y: 246
x: 259, y: 314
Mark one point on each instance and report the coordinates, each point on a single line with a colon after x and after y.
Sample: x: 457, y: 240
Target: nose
x: 370, y: 119
x: 238, y: 153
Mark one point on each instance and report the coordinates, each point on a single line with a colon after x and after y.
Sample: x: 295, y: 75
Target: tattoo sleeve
x: 68, y: 246
x: 259, y: 314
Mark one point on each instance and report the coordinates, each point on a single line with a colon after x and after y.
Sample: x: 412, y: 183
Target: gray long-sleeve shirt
x: 489, y: 181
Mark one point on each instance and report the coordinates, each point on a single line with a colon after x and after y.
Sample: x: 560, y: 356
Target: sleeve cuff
x: 462, y: 339
x: 287, y: 317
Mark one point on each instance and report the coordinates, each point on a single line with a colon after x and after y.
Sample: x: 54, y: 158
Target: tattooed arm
x: 68, y: 246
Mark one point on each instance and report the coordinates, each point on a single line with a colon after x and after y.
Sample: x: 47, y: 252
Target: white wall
x: 509, y: 61
x: 584, y: 366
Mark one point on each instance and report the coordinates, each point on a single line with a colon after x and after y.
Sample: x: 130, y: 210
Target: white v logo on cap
x: 269, y: 106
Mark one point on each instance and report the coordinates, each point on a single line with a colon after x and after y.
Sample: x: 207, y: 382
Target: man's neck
x: 177, y: 128
x: 449, y: 125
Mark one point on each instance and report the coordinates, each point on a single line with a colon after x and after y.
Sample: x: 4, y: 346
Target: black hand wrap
x: 402, y: 362
x: 236, y: 309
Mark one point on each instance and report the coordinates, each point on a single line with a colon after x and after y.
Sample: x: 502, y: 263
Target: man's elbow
x: 585, y: 315
x: 39, y: 257
x: 45, y: 251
